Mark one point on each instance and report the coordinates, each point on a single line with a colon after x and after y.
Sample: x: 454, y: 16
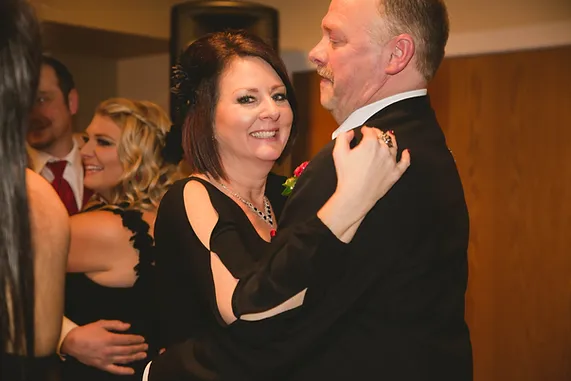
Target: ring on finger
x: 386, y: 138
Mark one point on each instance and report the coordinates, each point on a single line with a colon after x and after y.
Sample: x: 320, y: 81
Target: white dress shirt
x: 73, y: 172
x: 360, y: 116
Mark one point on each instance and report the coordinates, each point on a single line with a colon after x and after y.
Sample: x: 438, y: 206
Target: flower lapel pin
x: 290, y: 182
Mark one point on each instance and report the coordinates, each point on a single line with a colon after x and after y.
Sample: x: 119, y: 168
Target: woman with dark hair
x: 218, y: 226
x: 34, y: 233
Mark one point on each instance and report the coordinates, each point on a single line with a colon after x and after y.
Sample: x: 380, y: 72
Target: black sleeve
x: 289, y: 268
x: 176, y: 295
x: 183, y: 362
x: 304, y: 251
x: 264, y: 284
x: 297, y: 257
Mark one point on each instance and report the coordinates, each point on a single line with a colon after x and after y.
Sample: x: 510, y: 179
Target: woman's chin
x: 88, y: 184
x: 269, y: 157
x: 94, y: 186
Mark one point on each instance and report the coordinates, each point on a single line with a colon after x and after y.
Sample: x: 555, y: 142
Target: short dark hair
x: 197, y: 78
x: 20, y: 60
x: 427, y: 22
x: 64, y: 76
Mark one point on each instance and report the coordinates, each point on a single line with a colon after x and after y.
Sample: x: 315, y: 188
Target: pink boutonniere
x: 290, y: 182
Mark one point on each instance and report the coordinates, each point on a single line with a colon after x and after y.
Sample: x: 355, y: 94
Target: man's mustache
x: 325, y: 72
x: 38, y: 122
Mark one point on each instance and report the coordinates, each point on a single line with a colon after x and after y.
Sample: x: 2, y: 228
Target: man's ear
x: 73, y: 101
x: 402, y: 52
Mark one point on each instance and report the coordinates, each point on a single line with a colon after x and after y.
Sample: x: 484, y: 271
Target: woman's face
x: 253, y: 116
x: 103, y: 169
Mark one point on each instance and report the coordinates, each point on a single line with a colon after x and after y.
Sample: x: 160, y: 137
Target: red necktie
x: 62, y: 187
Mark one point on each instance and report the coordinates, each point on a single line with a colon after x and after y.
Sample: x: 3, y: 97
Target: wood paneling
x: 79, y: 40
x: 315, y: 124
x: 507, y: 119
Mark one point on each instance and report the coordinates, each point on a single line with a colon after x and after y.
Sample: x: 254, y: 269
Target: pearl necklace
x: 266, y: 217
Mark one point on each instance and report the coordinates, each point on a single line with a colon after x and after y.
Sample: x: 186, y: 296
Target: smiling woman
x: 112, y: 252
x: 103, y: 169
x: 252, y: 120
x: 218, y: 226
x: 236, y: 104
x: 123, y: 153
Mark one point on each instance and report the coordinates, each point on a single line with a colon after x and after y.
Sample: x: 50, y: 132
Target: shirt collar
x: 39, y: 159
x: 360, y: 116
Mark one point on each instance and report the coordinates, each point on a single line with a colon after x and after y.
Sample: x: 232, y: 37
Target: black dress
x: 185, y: 289
x: 391, y: 307
x: 87, y: 301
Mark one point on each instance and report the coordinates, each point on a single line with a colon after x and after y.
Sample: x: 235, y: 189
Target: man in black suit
x: 390, y: 305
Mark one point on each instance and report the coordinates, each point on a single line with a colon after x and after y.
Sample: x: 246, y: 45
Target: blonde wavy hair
x: 146, y: 175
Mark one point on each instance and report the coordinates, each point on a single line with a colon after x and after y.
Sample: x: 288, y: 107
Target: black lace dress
x: 87, y: 301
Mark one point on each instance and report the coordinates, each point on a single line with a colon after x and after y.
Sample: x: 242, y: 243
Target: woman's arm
x: 50, y: 237
x: 292, y: 254
x: 365, y: 174
x: 99, y: 243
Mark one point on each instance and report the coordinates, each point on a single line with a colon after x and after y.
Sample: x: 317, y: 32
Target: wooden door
x: 507, y: 119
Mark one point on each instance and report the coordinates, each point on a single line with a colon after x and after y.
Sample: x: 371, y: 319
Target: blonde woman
x: 112, y: 251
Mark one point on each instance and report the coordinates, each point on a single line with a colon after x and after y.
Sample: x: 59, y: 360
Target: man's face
x: 51, y: 119
x: 350, y: 58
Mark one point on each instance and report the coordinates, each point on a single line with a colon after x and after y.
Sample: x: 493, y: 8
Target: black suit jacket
x: 390, y: 305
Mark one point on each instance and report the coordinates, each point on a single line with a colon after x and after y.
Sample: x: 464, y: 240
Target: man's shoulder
x: 314, y: 186
x: 324, y: 156
x: 321, y: 167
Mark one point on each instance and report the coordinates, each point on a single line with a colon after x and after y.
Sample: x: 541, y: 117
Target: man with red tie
x: 53, y: 151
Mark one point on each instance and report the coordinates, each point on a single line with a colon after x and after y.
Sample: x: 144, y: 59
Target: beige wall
x: 145, y: 17
x: 145, y: 78
x: 148, y: 77
x: 299, y: 18
x: 477, y: 27
x: 96, y: 80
